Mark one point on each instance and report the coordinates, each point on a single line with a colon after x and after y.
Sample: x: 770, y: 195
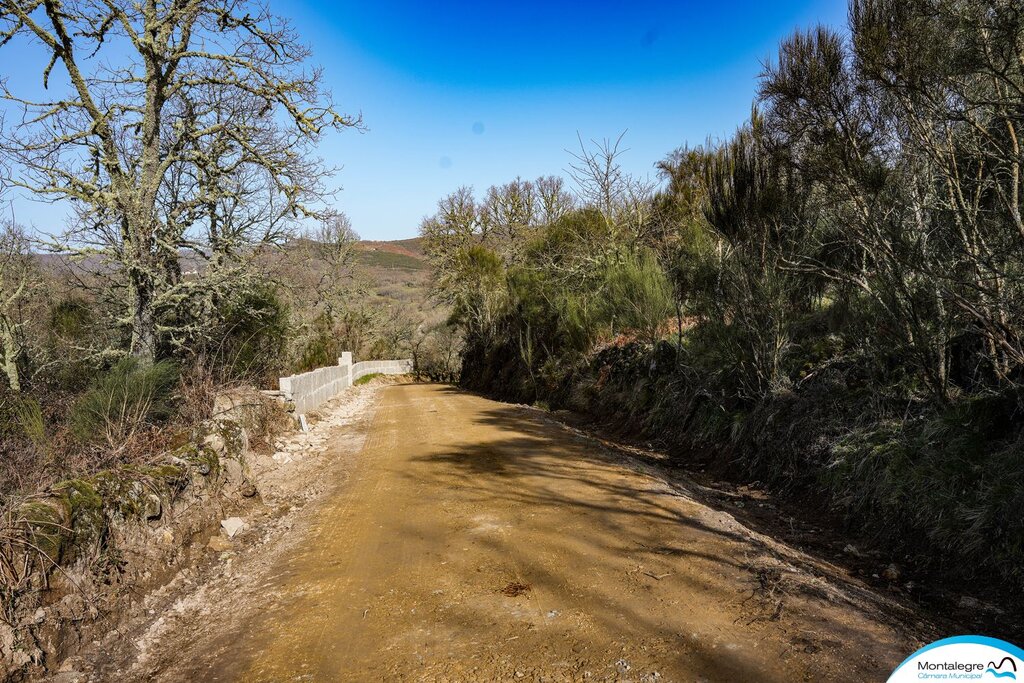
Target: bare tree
x: 171, y: 112
x: 333, y: 246
x: 508, y: 215
x: 553, y: 200
x: 600, y: 180
x: 16, y: 270
x: 625, y: 202
x: 447, y: 233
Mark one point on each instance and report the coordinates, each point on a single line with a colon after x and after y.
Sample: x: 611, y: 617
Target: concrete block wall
x: 309, y: 390
x: 383, y: 367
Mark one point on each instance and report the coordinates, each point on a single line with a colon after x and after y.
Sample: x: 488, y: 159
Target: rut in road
x: 477, y: 541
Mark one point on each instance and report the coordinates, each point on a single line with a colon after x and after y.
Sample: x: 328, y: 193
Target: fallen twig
x: 659, y: 577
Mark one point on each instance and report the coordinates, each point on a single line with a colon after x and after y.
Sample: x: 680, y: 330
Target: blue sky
x: 476, y: 94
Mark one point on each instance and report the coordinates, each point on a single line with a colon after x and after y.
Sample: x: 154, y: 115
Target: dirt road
x: 476, y: 541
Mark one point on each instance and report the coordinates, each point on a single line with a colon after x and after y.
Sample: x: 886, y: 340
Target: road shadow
x: 528, y: 462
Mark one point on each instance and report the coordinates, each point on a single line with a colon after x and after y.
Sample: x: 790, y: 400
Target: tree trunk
x: 143, y: 345
x: 11, y: 349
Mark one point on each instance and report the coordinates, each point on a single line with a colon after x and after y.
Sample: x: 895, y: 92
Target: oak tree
x: 168, y: 125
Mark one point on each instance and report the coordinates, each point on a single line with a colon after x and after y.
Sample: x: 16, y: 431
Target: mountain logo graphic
x: 997, y: 669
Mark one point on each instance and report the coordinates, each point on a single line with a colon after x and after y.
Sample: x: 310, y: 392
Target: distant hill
x: 406, y: 254
x: 397, y: 274
x: 408, y: 247
x: 413, y: 245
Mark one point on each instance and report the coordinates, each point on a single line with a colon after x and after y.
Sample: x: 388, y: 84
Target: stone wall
x: 309, y: 390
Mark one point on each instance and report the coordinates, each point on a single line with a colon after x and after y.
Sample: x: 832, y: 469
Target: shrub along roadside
x: 122, y: 401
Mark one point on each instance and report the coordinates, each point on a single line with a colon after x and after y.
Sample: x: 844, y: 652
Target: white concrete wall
x: 309, y: 390
x: 384, y: 367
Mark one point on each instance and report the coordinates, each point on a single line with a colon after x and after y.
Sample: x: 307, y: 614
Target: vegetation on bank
x: 830, y: 301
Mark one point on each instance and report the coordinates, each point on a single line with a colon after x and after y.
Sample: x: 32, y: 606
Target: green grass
x: 366, y: 379
x: 122, y: 400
